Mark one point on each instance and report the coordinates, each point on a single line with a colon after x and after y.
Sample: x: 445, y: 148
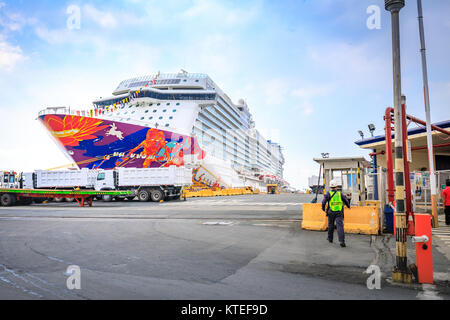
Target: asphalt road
x: 237, y: 247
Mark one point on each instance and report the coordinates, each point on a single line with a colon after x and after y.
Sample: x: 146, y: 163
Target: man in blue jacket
x: 333, y: 204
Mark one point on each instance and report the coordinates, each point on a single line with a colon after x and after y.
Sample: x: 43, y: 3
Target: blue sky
x: 311, y: 71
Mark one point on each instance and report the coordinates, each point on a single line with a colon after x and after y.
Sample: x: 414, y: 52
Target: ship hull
x: 97, y: 143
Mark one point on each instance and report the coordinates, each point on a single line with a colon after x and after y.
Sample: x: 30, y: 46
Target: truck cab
x: 27, y: 180
x: 8, y: 179
x: 105, y: 180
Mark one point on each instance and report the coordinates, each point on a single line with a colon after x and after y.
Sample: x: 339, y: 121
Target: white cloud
x: 349, y: 64
x: 56, y: 36
x: 12, y: 21
x: 275, y: 91
x: 308, y: 93
x: 9, y: 56
x: 219, y: 13
x: 103, y: 18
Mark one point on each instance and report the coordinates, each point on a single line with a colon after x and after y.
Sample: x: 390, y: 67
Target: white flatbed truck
x: 147, y: 184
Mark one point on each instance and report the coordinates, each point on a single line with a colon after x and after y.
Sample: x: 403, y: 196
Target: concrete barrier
x: 215, y: 193
x: 206, y: 193
x: 364, y: 220
x: 373, y: 203
x: 359, y: 220
x: 313, y: 217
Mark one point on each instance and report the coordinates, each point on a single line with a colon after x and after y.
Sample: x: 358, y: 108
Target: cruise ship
x: 160, y: 120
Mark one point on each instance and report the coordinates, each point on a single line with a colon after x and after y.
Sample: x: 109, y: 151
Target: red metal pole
x: 408, y: 204
x: 389, y: 165
x: 434, y: 146
x: 417, y: 120
x: 376, y: 153
x: 424, y: 124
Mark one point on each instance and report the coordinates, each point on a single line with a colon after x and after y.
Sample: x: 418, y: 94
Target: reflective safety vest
x: 336, y: 203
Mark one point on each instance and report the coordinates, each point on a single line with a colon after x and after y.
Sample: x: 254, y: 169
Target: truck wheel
x: 156, y: 195
x: 70, y: 199
x: 107, y: 198
x: 58, y: 199
x: 143, y: 195
x: 7, y: 200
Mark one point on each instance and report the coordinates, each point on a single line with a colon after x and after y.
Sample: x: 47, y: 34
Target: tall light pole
x: 427, y: 113
x: 400, y: 272
x: 371, y: 127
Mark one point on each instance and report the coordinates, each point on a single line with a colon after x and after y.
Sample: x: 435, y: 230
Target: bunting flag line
x: 99, y: 110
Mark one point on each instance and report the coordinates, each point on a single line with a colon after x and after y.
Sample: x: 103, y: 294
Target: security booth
x: 350, y: 173
x: 272, y: 188
x: 364, y: 216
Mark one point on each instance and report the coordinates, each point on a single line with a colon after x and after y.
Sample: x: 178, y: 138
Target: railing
x: 420, y: 188
x: 125, y: 83
x: 68, y: 111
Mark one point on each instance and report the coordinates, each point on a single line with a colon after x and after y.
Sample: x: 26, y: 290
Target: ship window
x: 174, y: 110
x: 164, y: 110
x: 160, y: 118
x: 142, y: 118
x: 150, y: 118
x: 129, y: 106
x: 184, y: 80
x: 170, y: 117
x: 133, y: 112
x: 167, y: 124
x: 146, y: 111
x: 150, y: 104
x: 154, y: 110
x: 178, y: 104
x: 158, y: 104
x: 118, y: 113
x: 196, y: 80
x: 167, y: 104
x: 128, y: 119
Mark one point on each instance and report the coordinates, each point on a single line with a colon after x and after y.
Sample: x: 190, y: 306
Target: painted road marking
x: 429, y: 293
x: 233, y: 203
x: 442, y: 236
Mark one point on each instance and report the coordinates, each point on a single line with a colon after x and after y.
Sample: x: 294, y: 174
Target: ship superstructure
x: 169, y: 119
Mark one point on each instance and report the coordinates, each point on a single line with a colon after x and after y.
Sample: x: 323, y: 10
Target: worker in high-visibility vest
x: 333, y: 204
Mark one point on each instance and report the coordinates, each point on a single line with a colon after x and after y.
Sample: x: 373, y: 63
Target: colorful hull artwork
x: 96, y: 143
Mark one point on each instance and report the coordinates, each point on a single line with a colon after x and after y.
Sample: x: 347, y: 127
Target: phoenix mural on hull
x: 95, y: 143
